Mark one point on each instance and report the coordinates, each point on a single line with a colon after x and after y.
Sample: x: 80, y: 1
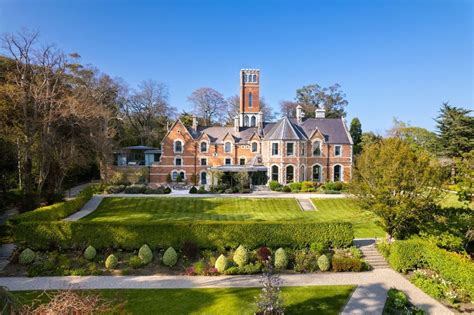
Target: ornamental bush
x: 114, y: 189
x: 131, y: 235
x: 324, y: 264
x: 190, y: 249
x: 135, y: 262
x: 193, y: 190
x: 170, y: 257
x: 26, y: 257
x: 167, y: 190
x: 135, y: 189
x: 145, y: 254
x: 90, y: 253
x: 241, y: 256
x: 308, y: 186
x: 407, y: 255
x: 281, y: 259
x: 295, y: 187
x: 111, y: 262
x: 346, y: 264
x: 263, y: 254
x: 274, y: 185
x: 286, y: 189
x: 221, y: 263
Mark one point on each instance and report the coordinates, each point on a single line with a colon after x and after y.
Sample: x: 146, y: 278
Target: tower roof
x: 285, y: 130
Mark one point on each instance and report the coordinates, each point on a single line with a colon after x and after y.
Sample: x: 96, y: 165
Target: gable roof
x: 286, y: 130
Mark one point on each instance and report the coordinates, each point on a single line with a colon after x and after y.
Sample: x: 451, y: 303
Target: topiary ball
x: 145, y: 254
x: 221, y: 263
x: 111, y: 262
x: 324, y: 263
x: 170, y: 257
x: 26, y: 257
x: 135, y: 262
x: 241, y: 256
x: 90, y: 253
x: 281, y: 259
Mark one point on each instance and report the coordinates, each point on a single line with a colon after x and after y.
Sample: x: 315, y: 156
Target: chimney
x: 195, y: 124
x: 299, y: 114
x: 236, y: 123
x: 320, y: 112
x: 260, y: 120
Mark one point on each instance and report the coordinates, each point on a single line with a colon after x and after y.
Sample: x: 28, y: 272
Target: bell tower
x: 250, y: 115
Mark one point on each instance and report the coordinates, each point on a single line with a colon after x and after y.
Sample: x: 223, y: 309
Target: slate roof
x: 286, y: 128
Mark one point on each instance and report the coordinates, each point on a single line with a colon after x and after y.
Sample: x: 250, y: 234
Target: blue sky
x: 392, y: 58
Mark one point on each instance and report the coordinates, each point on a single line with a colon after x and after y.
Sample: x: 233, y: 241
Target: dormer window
x: 254, y: 146
x: 203, y: 146
x: 178, y: 146
x: 317, y: 148
x: 227, y: 147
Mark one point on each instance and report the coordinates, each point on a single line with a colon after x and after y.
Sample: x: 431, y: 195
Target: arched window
x: 317, y: 148
x: 253, y: 121
x: 174, y: 175
x: 290, y: 174
x: 317, y: 171
x: 246, y: 121
x: 181, y: 174
x: 203, y: 178
x: 178, y: 146
x: 227, y: 147
x: 254, y: 147
x: 302, y: 173
x: 275, y: 172
x: 250, y: 99
x: 203, y: 146
x: 337, y: 175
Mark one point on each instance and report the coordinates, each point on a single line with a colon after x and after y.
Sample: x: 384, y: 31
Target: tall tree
x: 356, y: 134
x: 455, y: 127
x: 416, y: 136
x: 209, y: 104
x: 399, y: 183
x: 288, y: 108
x: 233, y: 109
x: 147, y: 111
x: 312, y: 96
x: 369, y: 138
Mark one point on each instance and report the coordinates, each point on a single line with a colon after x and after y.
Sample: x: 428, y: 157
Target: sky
x: 392, y: 58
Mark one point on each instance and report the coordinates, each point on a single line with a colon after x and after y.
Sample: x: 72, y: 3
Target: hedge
x: 450, y: 266
x: 57, y: 211
x: 79, y: 234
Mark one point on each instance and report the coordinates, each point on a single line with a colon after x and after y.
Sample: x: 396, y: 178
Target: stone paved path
x: 368, y: 298
x: 371, y: 254
x: 305, y: 204
x: 89, y: 207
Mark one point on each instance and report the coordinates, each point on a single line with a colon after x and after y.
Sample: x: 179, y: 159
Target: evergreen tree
x: 455, y: 130
x: 356, y: 134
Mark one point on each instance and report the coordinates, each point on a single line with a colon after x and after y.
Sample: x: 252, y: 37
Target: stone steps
x: 372, y: 255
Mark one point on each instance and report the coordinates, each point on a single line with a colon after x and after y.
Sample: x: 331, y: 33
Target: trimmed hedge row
x: 78, y: 234
x: 58, y: 210
x: 412, y: 254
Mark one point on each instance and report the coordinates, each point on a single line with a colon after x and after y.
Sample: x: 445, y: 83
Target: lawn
x: 298, y: 300
x: 233, y: 209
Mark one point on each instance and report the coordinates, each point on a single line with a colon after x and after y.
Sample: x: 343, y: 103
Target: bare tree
x: 209, y: 104
x: 288, y: 108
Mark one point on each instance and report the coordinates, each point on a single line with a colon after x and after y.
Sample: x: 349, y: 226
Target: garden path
x: 88, y: 208
x: 368, y: 298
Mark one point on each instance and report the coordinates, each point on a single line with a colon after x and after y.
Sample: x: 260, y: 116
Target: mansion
x: 291, y: 149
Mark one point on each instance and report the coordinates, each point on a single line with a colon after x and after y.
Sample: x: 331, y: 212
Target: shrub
x: 430, y: 285
x: 167, y: 190
x: 263, y: 254
x: 346, y: 264
x: 355, y: 252
x: 145, y: 254
x: 202, y: 190
x: 90, y: 253
x: 221, y: 263
x: 130, y: 235
x: 170, y: 257
x: 318, y: 247
x: 286, y: 189
x: 308, y: 187
x: 248, y: 269
x: 193, y: 190
x: 57, y: 211
x: 200, y: 267
x: 324, y: 264
x: 384, y: 249
x: 135, y: 262
x: 305, y: 261
x: 26, y: 257
x: 111, y: 262
x: 154, y: 191
x: 135, y: 189
x: 241, y: 256
x: 274, y: 185
x: 295, y: 187
x: 281, y: 259
x: 114, y: 189
x: 190, y: 249
x: 406, y: 255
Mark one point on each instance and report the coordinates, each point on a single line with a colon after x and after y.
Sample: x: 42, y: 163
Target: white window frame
x: 341, y: 179
x: 225, y: 159
x: 340, y: 149
x: 200, y: 177
x: 320, y: 148
x: 207, y: 146
x: 320, y: 174
x: 271, y: 172
x: 172, y: 175
x: 244, y: 158
x: 200, y: 161
x: 278, y: 149
x: 251, y: 147
x: 286, y: 173
x: 230, y: 146
x: 294, y: 148
x: 174, y: 146
x: 178, y: 157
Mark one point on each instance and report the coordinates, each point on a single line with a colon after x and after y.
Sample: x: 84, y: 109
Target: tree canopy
x: 356, y: 134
